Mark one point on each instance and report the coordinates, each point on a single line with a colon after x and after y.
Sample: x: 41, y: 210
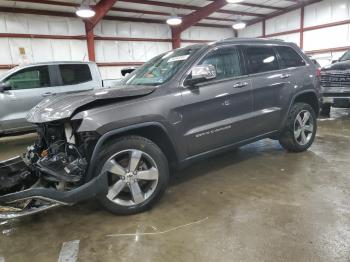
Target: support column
x: 264, y: 28
x: 90, y: 40
x: 302, y: 17
x: 176, y: 39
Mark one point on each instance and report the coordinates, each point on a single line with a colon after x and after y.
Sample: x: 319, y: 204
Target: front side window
x: 261, y: 59
x: 289, y: 57
x: 73, y: 74
x: 33, y: 77
x: 225, y: 61
x: 161, y: 68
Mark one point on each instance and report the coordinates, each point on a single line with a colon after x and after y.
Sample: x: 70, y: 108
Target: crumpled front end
x: 51, y: 173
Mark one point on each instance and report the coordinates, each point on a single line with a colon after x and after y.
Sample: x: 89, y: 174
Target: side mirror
x: 201, y: 74
x: 334, y: 61
x: 5, y: 86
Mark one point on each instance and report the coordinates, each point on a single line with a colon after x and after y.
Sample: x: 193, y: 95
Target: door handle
x: 240, y: 85
x: 47, y: 94
x: 284, y: 76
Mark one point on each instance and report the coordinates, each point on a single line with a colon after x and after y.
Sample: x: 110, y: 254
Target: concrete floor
x: 257, y: 204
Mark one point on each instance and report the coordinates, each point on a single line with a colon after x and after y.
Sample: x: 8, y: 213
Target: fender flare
x: 104, y: 137
x: 293, y: 100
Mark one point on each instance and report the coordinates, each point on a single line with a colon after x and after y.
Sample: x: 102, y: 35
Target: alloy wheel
x: 303, y: 127
x: 133, y: 177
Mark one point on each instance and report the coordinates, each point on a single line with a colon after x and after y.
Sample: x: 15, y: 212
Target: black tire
x: 151, y: 149
x: 287, y: 138
x: 325, y: 110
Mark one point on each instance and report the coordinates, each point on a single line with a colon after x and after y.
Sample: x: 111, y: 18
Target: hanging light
x: 239, y: 25
x: 84, y: 10
x: 234, y: 1
x: 174, y: 20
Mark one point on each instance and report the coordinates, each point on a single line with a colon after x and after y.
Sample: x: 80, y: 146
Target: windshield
x: 345, y: 57
x: 161, y: 68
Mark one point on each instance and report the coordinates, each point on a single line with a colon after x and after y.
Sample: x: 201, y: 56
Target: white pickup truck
x: 24, y: 86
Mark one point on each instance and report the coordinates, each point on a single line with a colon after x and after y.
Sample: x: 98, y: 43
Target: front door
x: 216, y: 112
x: 28, y: 87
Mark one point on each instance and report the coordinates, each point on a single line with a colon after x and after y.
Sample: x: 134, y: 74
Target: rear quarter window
x: 73, y: 74
x: 260, y: 59
x: 289, y: 57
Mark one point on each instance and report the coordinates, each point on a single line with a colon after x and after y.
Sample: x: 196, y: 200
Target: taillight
x: 318, y: 72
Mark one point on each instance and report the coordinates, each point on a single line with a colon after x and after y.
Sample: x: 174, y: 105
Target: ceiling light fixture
x: 234, y: 1
x: 85, y: 10
x: 174, y: 20
x: 239, y: 25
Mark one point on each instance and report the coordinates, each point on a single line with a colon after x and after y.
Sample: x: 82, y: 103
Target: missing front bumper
x: 14, y: 174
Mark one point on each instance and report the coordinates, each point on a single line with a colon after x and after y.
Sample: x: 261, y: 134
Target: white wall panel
x: 130, y: 29
x: 325, y: 38
x: 78, y: 50
x: 282, y: 23
x: 61, y: 50
x: 15, y: 44
x: 293, y: 38
x: 251, y: 31
x: 327, y: 12
x: 16, y: 24
x: 38, y: 25
x: 42, y: 50
x: 59, y: 26
x: 121, y: 51
x: 111, y: 72
x: 5, y: 57
x: 207, y: 33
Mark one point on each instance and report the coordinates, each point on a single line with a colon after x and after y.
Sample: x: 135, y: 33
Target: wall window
x: 73, y: 74
x: 289, y: 57
x: 261, y: 59
x: 226, y: 62
x: 33, y: 77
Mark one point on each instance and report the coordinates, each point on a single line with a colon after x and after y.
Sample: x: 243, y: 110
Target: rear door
x: 28, y: 87
x: 75, y: 77
x: 216, y: 113
x: 272, y: 87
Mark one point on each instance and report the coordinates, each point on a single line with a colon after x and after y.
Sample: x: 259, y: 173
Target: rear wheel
x: 300, y: 130
x: 137, y: 175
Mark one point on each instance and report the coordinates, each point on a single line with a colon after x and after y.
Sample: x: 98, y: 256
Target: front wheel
x: 300, y: 130
x: 138, y: 175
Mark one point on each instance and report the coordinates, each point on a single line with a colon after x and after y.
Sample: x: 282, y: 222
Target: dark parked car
x: 118, y: 144
x: 335, y: 84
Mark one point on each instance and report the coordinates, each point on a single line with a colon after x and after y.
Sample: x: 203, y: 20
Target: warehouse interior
x: 257, y: 202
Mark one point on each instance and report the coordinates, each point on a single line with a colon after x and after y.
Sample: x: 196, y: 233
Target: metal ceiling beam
x: 117, y: 9
x: 189, y: 7
x: 286, y: 10
x: 194, y: 18
x: 258, y: 6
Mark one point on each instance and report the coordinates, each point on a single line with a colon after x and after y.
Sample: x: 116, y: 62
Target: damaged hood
x: 63, y: 106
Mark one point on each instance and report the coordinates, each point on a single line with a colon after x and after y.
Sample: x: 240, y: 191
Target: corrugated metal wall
x: 321, y: 13
x: 107, y: 51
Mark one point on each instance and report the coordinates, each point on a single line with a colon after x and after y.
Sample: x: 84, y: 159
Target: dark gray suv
x: 118, y: 144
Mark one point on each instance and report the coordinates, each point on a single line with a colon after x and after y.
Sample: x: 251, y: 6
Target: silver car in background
x: 25, y: 86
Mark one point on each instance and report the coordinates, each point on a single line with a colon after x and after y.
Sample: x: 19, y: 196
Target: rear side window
x: 32, y: 77
x: 73, y: 74
x: 289, y: 57
x: 261, y: 59
x: 226, y: 62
